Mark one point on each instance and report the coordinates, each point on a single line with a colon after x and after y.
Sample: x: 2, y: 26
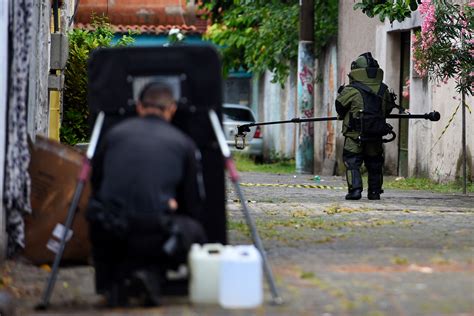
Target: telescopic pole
x: 432, y: 116
x: 234, y: 177
x: 81, y: 182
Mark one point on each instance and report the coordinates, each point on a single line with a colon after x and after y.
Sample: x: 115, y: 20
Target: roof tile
x: 147, y: 29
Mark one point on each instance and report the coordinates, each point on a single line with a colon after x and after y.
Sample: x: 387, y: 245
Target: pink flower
x: 428, y: 14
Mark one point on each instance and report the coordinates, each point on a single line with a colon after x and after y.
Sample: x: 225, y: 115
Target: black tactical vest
x: 371, y: 122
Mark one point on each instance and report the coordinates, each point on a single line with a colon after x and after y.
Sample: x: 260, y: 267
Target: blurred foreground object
x: 53, y: 169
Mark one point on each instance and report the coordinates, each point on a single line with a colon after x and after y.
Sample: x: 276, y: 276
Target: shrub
x: 75, y: 125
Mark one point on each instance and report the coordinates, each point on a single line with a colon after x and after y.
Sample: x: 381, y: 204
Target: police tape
x: 299, y: 186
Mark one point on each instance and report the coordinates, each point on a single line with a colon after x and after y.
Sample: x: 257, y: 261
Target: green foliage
x: 443, y: 48
x: 261, y: 35
x: 393, y: 10
x: 326, y: 14
x: 258, y: 37
x: 74, y: 126
x: 423, y: 184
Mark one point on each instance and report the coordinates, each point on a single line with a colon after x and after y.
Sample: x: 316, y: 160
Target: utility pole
x: 305, y: 99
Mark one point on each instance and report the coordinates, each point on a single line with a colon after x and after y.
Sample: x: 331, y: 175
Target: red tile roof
x: 148, y: 29
x: 138, y: 13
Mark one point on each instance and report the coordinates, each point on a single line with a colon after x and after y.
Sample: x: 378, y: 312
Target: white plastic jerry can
x: 204, y: 263
x: 241, y: 277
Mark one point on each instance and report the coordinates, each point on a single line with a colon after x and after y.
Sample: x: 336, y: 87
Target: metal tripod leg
x: 54, y: 272
x: 72, y: 211
x: 230, y: 166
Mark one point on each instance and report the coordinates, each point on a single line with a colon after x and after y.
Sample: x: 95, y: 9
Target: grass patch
x: 246, y: 164
x: 307, y: 275
x: 440, y: 260
x: 300, y: 228
x: 399, y: 260
x: 299, y: 213
x: 337, y: 209
x: 424, y: 184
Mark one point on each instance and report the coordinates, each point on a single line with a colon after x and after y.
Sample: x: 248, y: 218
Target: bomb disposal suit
x: 363, y: 105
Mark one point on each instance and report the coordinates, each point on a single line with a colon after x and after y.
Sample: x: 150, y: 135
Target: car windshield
x: 236, y: 114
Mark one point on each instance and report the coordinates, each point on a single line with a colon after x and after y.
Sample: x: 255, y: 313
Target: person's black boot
x: 354, y: 194
x: 373, y: 195
x: 354, y: 183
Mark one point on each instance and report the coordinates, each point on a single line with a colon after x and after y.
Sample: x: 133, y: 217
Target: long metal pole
x: 464, y: 151
x: 463, y: 118
x: 71, y: 213
x: 305, y: 98
x: 4, y: 47
x: 234, y: 177
x: 432, y: 116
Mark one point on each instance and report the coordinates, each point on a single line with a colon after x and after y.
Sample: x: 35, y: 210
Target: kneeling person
x: 146, y: 199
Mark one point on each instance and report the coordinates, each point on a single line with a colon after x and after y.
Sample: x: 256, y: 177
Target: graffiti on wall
x: 307, y: 90
x: 305, y: 149
x: 308, y: 128
x: 306, y: 79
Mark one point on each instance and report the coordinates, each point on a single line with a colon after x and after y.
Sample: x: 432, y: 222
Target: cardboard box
x: 54, y: 170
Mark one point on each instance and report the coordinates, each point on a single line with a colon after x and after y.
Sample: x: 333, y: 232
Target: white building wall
x: 278, y: 103
x: 325, y: 95
x: 445, y: 152
x: 38, y: 95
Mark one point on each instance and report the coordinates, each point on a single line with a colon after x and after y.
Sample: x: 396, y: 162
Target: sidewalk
x: 411, y: 253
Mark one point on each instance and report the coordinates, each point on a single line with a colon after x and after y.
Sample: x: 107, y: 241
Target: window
x: 236, y: 114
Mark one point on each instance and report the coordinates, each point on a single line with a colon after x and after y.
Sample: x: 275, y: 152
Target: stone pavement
x: 411, y: 253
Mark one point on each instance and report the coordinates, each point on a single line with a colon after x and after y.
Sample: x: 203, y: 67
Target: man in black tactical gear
x: 146, y: 200
x: 363, y: 105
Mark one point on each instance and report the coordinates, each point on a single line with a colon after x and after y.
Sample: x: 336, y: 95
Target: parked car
x: 235, y: 115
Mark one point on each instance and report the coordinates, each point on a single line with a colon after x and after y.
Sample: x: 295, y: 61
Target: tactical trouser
x: 372, y: 155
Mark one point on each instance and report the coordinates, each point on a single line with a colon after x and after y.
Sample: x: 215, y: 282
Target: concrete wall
x: 278, y: 103
x: 38, y: 96
x: 387, y: 53
x: 445, y: 151
x: 325, y: 133
x: 356, y: 35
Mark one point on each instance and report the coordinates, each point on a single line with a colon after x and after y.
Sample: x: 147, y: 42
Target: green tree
x: 75, y: 125
x: 393, y: 10
x: 259, y: 35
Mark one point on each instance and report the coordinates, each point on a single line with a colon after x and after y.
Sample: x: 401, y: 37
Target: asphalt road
x: 411, y: 253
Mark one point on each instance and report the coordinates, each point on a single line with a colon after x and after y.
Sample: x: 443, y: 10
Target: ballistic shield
x: 117, y: 75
